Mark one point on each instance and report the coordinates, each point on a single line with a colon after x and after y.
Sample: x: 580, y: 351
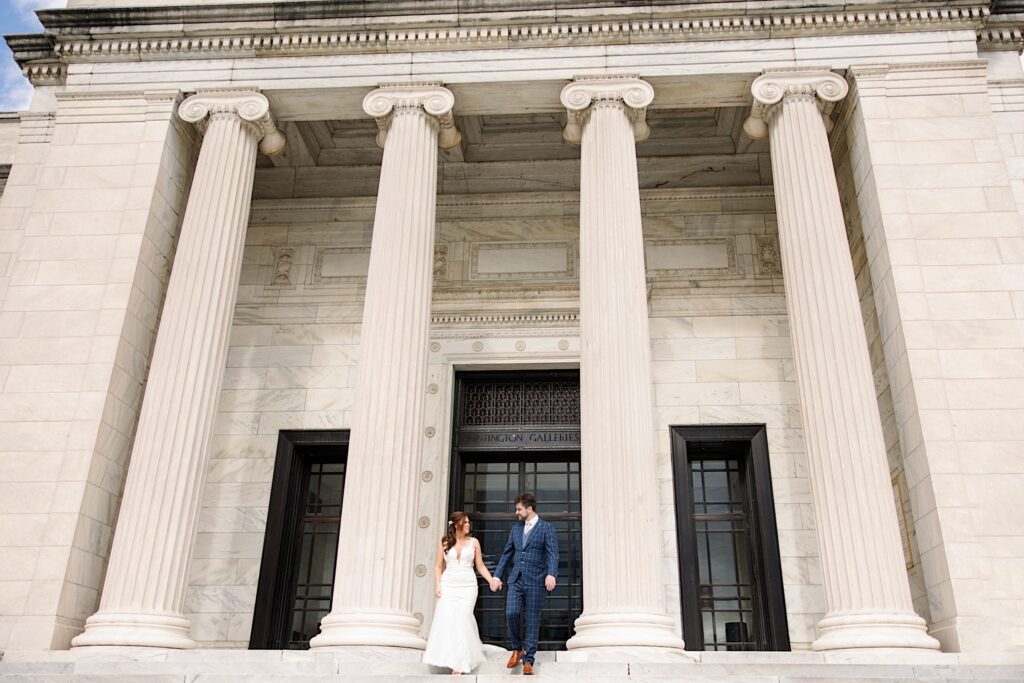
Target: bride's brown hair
x: 450, y: 535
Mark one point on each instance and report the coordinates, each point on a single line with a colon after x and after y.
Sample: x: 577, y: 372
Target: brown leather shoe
x: 527, y: 669
x: 514, y: 659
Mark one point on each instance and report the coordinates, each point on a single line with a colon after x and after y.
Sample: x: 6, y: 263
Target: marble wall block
x: 929, y: 248
x: 92, y: 220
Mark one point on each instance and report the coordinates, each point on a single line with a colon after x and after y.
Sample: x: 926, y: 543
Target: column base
x: 859, y: 630
x: 625, y: 629
x: 369, y: 629
x: 136, y: 629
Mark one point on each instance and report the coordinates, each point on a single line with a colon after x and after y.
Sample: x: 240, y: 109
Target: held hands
x: 495, y: 584
x: 549, y: 583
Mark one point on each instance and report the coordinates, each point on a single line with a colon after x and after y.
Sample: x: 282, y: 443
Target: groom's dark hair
x: 528, y: 500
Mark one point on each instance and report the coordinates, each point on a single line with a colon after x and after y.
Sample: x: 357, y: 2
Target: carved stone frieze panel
x: 440, y: 262
x: 282, y: 275
x: 769, y: 261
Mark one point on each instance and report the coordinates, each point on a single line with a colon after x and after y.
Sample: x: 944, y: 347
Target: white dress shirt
x: 529, y: 525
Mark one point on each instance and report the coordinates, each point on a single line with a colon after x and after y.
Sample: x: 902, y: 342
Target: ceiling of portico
x: 691, y: 147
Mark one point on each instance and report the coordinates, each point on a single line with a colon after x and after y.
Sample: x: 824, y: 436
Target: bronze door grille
x: 540, y: 402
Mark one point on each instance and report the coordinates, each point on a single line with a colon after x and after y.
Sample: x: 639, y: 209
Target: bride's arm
x: 480, y: 566
x: 438, y: 569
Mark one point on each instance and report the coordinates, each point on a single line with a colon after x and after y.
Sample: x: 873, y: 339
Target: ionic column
x: 146, y: 577
x: 866, y: 589
x: 372, y: 602
x: 623, y: 589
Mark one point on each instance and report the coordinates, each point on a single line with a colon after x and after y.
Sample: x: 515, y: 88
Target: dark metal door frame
x: 275, y: 590
x: 750, y: 443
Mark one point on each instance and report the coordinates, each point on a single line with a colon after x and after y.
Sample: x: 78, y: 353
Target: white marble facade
x: 900, y: 130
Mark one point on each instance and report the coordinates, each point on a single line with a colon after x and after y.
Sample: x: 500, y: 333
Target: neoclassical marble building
x: 736, y: 288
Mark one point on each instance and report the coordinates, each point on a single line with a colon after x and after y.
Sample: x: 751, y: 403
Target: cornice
x: 80, y: 35
x: 1003, y: 32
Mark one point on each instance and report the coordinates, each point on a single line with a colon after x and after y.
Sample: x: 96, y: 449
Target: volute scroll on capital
x: 432, y: 98
x: 249, y: 105
x: 774, y: 87
x: 578, y: 97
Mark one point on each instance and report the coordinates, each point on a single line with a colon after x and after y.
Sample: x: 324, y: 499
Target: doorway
x: 514, y: 432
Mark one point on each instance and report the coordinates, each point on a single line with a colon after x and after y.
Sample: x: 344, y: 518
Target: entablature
x: 327, y: 27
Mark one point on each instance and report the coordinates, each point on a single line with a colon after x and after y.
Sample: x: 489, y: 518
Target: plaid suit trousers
x: 524, y: 599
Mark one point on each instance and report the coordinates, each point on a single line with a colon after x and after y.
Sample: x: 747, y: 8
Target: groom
x: 532, y: 549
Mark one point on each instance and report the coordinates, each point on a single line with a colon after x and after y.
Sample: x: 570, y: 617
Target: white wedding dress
x: 454, y: 640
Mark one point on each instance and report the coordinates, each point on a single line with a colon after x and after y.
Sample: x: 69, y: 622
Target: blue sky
x: 16, y: 16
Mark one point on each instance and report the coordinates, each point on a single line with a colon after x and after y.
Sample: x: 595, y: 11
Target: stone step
x: 767, y: 677
x: 211, y: 671
x: 386, y: 665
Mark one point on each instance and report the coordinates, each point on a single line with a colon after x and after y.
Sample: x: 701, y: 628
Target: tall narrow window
x: 301, y: 542
x: 730, y: 574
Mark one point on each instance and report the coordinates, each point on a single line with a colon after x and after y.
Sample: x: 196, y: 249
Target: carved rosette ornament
x: 436, y: 101
x: 824, y: 88
x: 628, y: 93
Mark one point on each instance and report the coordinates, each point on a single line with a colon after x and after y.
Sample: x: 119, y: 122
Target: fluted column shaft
x: 624, y: 595
x: 372, y: 602
x: 866, y: 588
x: 144, y: 589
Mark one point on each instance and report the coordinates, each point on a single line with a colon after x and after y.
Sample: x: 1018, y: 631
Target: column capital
x: 247, y: 104
x: 773, y: 87
x: 631, y: 92
x: 431, y: 98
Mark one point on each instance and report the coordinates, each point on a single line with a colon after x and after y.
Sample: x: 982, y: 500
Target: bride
x: 454, y: 640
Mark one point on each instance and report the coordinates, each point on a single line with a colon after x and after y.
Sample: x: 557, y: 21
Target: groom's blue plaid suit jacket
x: 534, y: 557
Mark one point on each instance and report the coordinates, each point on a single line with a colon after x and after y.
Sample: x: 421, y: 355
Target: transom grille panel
x: 543, y: 402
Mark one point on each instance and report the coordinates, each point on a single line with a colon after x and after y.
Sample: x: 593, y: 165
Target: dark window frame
x: 763, y: 536
x: 271, y: 616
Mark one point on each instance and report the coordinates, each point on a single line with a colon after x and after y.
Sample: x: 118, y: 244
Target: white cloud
x: 15, y: 90
x: 26, y: 8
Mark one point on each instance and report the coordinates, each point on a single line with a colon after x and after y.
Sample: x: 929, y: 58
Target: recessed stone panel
x: 522, y: 261
x: 333, y: 265
x: 691, y: 257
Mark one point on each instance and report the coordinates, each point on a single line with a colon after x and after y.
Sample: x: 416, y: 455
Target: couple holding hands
x: 531, y: 555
